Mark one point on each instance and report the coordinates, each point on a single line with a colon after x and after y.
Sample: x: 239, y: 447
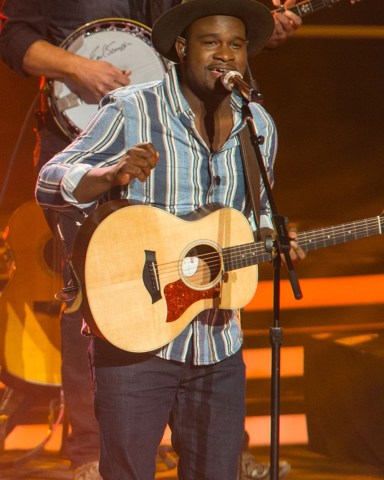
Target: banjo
x: 124, y: 43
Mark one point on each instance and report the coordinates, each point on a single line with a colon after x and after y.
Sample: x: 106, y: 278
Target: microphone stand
x: 281, y: 245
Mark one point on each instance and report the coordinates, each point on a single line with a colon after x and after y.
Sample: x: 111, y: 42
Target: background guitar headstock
x: 307, y: 7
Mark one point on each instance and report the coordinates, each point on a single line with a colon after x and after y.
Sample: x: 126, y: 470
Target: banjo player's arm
x: 93, y: 79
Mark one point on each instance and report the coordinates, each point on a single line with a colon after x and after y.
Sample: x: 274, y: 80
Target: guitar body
x: 29, y: 315
x: 145, y: 274
x: 142, y: 282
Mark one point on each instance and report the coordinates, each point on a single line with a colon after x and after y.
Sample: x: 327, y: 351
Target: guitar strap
x: 251, y: 173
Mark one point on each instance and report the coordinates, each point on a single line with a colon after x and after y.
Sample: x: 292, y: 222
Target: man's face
x: 214, y: 45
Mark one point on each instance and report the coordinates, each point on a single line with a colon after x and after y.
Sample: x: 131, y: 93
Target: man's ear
x: 181, y: 48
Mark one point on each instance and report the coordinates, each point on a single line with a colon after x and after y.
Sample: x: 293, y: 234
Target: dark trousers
x: 136, y: 395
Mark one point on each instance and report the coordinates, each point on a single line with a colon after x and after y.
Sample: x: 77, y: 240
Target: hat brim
x: 258, y: 20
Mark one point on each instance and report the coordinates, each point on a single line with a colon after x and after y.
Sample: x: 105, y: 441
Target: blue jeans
x: 136, y: 395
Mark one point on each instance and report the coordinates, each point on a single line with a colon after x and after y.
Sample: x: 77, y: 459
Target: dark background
x: 326, y: 97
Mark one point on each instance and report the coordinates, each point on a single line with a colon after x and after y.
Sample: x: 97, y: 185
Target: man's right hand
x: 136, y: 163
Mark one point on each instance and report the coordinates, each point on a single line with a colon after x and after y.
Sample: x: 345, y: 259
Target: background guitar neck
x: 309, y: 6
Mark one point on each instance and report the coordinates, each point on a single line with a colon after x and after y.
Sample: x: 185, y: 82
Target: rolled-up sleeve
x: 100, y: 145
x: 56, y: 185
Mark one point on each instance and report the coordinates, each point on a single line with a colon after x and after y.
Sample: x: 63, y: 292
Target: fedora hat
x: 257, y: 18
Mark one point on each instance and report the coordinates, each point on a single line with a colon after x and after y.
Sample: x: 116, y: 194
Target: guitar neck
x: 346, y: 232
x: 308, y: 6
x: 254, y: 253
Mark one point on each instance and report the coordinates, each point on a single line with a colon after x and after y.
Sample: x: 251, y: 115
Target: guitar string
x: 238, y: 254
x: 311, y: 237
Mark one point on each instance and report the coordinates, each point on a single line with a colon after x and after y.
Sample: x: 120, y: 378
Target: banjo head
x: 124, y: 43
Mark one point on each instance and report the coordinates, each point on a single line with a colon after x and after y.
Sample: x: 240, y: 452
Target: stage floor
x: 305, y: 465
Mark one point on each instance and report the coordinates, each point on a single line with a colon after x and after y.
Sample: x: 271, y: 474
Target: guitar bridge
x: 151, y: 276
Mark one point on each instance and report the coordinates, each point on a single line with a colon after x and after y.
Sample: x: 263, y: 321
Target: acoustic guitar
x: 145, y: 274
x: 29, y: 314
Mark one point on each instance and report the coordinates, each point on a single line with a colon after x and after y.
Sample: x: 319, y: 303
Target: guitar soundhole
x: 201, y: 267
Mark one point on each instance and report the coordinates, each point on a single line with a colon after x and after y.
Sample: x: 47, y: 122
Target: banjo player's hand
x: 92, y: 79
x: 89, y: 79
x: 285, y: 24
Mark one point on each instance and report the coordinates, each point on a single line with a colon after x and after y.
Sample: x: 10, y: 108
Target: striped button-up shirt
x: 187, y: 176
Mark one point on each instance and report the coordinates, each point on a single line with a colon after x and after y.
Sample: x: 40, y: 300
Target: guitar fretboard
x: 254, y: 253
x: 326, y: 237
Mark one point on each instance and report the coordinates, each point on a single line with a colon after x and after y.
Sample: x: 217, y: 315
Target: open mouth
x: 217, y: 72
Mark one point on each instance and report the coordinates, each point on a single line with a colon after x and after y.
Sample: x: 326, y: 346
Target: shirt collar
x: 177, y: 101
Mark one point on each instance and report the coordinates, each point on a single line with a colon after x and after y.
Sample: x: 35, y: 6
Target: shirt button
x: 217, y: 180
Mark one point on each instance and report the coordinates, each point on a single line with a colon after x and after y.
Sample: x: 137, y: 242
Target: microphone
x: 233, y: 81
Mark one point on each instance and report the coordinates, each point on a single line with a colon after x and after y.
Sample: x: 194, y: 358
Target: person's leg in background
x: 82, y: 445
x: 83, y: 442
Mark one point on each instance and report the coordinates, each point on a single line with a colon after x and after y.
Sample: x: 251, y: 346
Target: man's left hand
x: 296, y: 252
